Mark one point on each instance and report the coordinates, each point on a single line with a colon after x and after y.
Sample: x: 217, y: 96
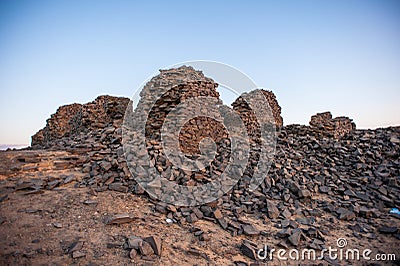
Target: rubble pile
x: 333, y: 127
x: 92, y: 132
x: 313, y: 182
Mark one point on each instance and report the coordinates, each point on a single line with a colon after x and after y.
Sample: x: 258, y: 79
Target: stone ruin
x: 96, y: 127
x: 164, y: 94
x: 333, y: 127
x: 158, y: 98
x: 240, y: 106
x: 312, y: 183
x: 74, y: 119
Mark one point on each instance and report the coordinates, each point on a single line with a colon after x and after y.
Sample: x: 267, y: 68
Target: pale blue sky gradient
x: 342, y: 56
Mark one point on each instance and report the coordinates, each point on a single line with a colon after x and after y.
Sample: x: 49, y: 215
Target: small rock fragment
x: 146, y: 249
x: 132, y: 253
x: 155, y: 243
x: 118, y: 187
x: 134, y: 242
x: 78, y: 254
x: 90, y: 202
x: 76, y: 246
x: 273, y: 211
x: 218, y: 214
x: 295, y: 238
x: 57, y: 225
x: 248, y: 250
x: 304, y: 193
x: 387, y: 230
x: 121, y: 218
x: 250, y: 230
x: 347, y: 215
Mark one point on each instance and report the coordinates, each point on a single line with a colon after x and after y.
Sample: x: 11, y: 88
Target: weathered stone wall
x: 247, y: 115
x: 334, y: 127
x: 168, y: 92
x: 179, y: 85
x: 73, y: 119
x: 275, y: 108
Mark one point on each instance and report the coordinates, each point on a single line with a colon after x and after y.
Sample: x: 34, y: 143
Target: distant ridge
x: 4, y: 147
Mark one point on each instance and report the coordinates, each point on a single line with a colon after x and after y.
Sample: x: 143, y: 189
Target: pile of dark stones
x: 321, y: 173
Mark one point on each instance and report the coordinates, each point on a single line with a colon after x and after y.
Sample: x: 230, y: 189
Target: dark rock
x: 286, y: 213
x: 240, y: 263
x: 204, y: 237
x: 198, y: 233
x: 206, y: 210
x: 347, y: 215
x: 195, y: 252
x: 69, y: 179
x: 273, y: 211
x: 223, y: 223
x: 161, y: 207
x: 324, y: 189
x: 191, y: 218
x: 295, y: 238
x: 250, y: 230
x: 304, y: 193
x: 118, y: 187
x: 116, y: 244
x: 155, y: 244
x: 284, y: 232
x: 293, y: 186
x: 387, y: 230
x: 198, y: 213
x: 367, y: 213
x: 2, y: 198
x: 134, y: 242
x: 248, y: 250
x: 76, y: 246
x: 348, y: 172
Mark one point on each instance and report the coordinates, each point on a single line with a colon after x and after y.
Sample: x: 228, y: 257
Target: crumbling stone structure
x: 73, y: 119
x: 333, y: 127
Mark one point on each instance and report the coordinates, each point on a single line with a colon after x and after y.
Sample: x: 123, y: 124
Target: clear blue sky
x: 342, y: 56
